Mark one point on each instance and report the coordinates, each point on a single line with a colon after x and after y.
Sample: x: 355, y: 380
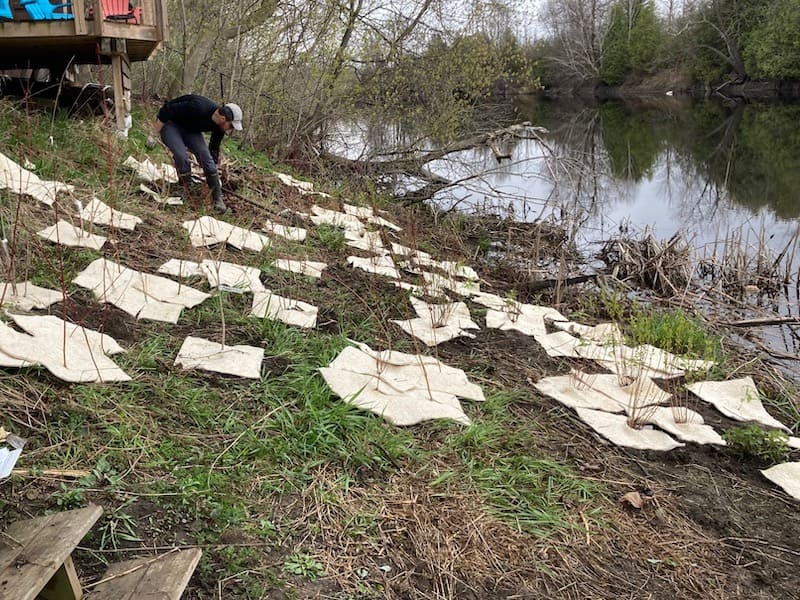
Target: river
x: 725, y: 175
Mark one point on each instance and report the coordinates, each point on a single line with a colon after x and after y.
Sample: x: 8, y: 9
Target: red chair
x: 121, y: 10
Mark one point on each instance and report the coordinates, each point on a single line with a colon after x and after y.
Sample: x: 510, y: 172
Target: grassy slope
x: 290, y: 492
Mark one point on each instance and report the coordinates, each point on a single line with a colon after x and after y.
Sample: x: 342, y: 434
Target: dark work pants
x: 179, y: 141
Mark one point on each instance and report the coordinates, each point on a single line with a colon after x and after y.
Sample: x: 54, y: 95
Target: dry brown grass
x: 439, y: 546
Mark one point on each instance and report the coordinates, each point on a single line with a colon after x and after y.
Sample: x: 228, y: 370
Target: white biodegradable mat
x: 437, y: 323
x: 302, y: 186
x: 379, y: 265
x: 242, y: 361
x: 181, y: 268
x: 644, y: 360
x: 381, y: 222
x: 683, y: 423
x: 132, y: 291
x: 615, y: 429
x: 22, y: 181
x: 160, y: 198
x: 303, y: 267
x: 411, y: 287
x: 601, y: 334
x: 149, y: 171
x: 70, y: 352
x: 324, y: 216
x: 362, y: 212
x: 563, y: 389
x: 787, y: 476
x: 404, y: 389
x: 67, y: 234
x: 455, y: 269
x: 738, y: 399
x: 27, y: 296
x: 438, y: 284
x: 496, y: 302
x: 100, y: 213
x: 559, y: 343
x: 239, y: 277
x: 292, y: 312
x: 412, y: 255
x: 208, y: 231
x: 490, y: 300
x: 573, y: 327
x: 454, y: 313
x: 294, y: 234
x: 429, y: 334
x: 508, y: 319
x: 369, y: 241
x: 601, y: 391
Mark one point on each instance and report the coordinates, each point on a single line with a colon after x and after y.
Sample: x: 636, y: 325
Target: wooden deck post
x: 121, y: 74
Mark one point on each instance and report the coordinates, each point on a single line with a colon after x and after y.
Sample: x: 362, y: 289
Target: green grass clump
x: 330, y: 237
x: 674, y: 332
x: 758, y: 445
x: 520, y: 485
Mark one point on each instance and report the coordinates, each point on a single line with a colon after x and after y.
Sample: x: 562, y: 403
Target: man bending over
x: 182, y: 122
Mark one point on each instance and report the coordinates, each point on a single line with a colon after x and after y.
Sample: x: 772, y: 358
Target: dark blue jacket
x: 193, y: 113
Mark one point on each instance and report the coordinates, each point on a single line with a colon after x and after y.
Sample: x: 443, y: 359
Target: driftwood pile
x: 664, y: 267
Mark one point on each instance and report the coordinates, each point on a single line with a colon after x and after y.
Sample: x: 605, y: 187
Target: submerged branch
x: 763, y: 322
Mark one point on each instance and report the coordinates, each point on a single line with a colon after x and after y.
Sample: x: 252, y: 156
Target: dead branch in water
x: 763, y: 322
x: 412, y: 163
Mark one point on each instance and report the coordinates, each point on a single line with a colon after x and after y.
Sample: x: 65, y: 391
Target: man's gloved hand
x: 151, y: 142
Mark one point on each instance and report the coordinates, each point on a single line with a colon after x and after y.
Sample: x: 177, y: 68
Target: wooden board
x: 31, y: 552
x: 157, y: 578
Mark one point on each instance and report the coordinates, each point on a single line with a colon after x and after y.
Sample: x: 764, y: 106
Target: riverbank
x: 679, y: 83
x: 293, y: 493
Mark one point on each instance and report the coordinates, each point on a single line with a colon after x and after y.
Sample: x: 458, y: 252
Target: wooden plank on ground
x: 32, y: 551
x: 163, y: 577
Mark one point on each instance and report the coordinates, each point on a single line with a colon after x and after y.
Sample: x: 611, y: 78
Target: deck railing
x: 120, y: 18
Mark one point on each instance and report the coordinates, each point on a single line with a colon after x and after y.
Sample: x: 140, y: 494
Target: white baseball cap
x: 237, y: 115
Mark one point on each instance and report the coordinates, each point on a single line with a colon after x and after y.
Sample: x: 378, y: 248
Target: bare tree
x: 577, y: 28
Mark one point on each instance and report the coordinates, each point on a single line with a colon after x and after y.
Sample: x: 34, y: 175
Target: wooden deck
x: 82, y: 39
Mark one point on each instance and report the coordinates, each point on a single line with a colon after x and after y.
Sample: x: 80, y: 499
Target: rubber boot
x: 216, y: 192
x: 184, y: 188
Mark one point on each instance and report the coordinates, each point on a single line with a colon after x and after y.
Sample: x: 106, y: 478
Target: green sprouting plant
x: 303, y: 565
x: 753, y: 443
x: 102, y: 473
x: 512, y: 305
x: 119, y: 528
x: 613, y: 303
x: 68, y: 498
x: 330, y: 237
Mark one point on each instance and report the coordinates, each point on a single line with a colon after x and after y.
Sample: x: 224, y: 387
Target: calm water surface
x: 714, y: 173
x: 717, y: 173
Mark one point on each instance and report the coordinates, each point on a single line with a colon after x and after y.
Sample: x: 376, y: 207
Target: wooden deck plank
x: 46, y: 543
x: 162, y: 578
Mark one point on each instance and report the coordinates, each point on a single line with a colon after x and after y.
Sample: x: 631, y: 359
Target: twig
x: 74, y: 473
x: 129, y: 571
